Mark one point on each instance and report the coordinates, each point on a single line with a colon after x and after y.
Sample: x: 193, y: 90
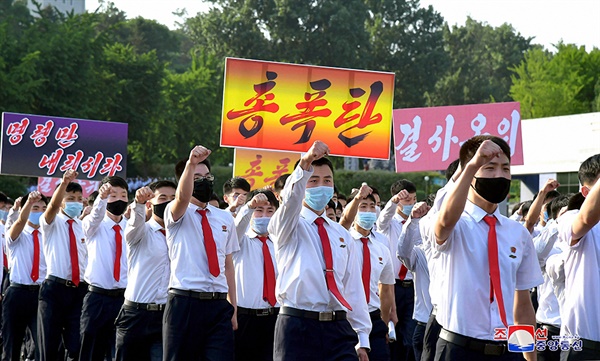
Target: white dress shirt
x: 414, y: 256
x: 390, y: 225
x: 20, y: 257
x: 464, y: 304
x: 548, y: 311
x: 581, y: 312
x: 147, y: 257
x: 249, y: 263
x: 382, y: 269
x: 189, y: 262
x: 56, y: 241
x: 298, y: 250
x: 101, y: 241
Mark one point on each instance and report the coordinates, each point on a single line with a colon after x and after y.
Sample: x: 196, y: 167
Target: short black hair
x: 215, y: 197
x: 525, y: 208
x: 116, y: 181
x: 403, y: 184
x: 319, y: 162
x: 270, y: 196
x: 180, y: 166
x: 551, y: 195
x: 92, y: 198
x: 236, y: 182
x: 280, y: 182
x: 331, y: 204
x: 430, y: 199
x: 576, y: 201
x: 555, y: 205
x: 26, y: 197
x: 342, y: 196
x: 516, y: 208
x: 355, y: 193
x: 589, y: 170
x: 3, y: 198
x: 470, y: 147
x: 374, y: 190
x: 451, y: 169
x: 162, y: 183
x: 74, y: 187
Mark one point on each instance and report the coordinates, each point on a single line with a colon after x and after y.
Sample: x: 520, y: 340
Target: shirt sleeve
x: 92, y: 222
x: 283, y: 225
x: 410, y: 234
x: 385, y: 217
x: 232, y: 245
x: 544, y: 242
x: 242, y: 221
x: 529, y: 274
x: 136, y: 224
x: 565, y: 229
x: 10, y: 219
x: 387, y: 274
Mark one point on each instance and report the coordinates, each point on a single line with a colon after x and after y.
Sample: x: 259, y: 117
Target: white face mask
x: 260, y: 225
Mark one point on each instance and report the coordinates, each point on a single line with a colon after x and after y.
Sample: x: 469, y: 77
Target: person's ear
x: 585, y: 191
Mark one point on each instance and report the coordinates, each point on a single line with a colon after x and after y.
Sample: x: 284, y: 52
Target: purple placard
x: 45, y: 146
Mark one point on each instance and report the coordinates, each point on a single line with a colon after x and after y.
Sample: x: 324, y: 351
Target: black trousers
x: 254, y: 338
x: 19, y: 313
x: 418, y: 337
x: 98, y: 317
x: 584, y: 354
x: 139, y: 335
x: 548, y: 355
x: 378, y: 340
x: 402, y: 349
x: 447, y: 351
x: 432, y: 333
x: 195, y: 329
x: 59, y: 312
x: 301, y: 339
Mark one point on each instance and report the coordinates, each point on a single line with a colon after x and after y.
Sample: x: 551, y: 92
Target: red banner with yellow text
x: 262, y: 168
x: 286, y: 107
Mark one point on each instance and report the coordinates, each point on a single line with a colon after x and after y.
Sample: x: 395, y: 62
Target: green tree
x: 481, y: 56
x: 548, y: 84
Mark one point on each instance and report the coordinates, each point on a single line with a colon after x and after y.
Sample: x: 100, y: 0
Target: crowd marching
x: 300, y: 272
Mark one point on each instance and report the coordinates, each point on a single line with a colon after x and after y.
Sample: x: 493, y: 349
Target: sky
x: 547, y: 21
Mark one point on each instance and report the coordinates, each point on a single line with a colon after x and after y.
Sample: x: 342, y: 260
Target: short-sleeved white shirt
x: 581, y: 312
x: 185, y: 239
x: 20, y: 257
x: 55, y: 238
x: 464, y: 305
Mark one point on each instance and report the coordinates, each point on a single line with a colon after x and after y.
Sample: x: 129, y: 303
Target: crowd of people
x: 300, y: 272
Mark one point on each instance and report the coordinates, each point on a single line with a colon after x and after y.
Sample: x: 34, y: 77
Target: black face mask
x: 203, y: 189
x: 117, y: 207
x: 493, y: 190
x: 159, y: 209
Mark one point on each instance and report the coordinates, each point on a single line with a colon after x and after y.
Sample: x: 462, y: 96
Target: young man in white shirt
x: 235, y: 191
x: 106, y: 271
x: 255, y: 275
x: 139, y: 324
x: 62, y: 293
x: 488, y: 259
x: 580, y: 230
x: 377, y: 273
x: 28, y: 270
x: 199, y: 321
x: 319, y: 278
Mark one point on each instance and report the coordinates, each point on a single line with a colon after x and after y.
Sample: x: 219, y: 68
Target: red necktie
x: 4, y: 259
x: 118, y: 251
x: 496, y: 288
x: 403, y: 269
x: 269, y: 273
x: 35, y: 269
x: 73, y: 253
x: 331, y: 285
x: 163, y: 232
x: 366, y: 271
x: 209, y: 245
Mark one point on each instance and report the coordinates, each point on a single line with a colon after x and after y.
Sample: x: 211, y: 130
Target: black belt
x: 551, y: 328
x: 258, y: 311
x: 27, y: 287
x: 423, y: 324
x: 199, y: 295
x: 485, y: 347
x: 404, y: 283
x: 144, y: 306
x: 590, y: 345
x: 65, y: 282
x: 375, y: 315
x: 313, y: 315
x: 117, y: 292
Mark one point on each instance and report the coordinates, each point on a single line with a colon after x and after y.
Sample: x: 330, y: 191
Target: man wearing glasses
x: 199, y: 321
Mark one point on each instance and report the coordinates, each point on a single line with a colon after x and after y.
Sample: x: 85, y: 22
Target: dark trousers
x: 432, y: 333
x: 402, y: 350
x: 195, y: 329
x: 98, y: 317
x: 139, y: 335
x: 59, y: 312
x: 447, y: 351
x: 378, y: 340
x: 254, y: 337
x: 418, y: 337
x: 301, y: 339
x: 548, y: 355
x: 19, y: 312
x: 587, y: 353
